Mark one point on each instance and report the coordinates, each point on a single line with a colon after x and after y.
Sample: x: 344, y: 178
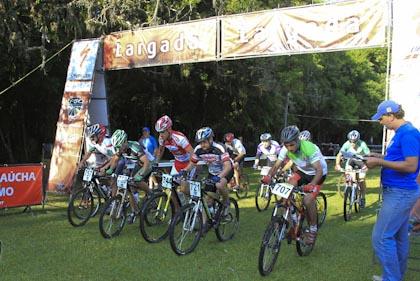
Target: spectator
x: 148, y: 141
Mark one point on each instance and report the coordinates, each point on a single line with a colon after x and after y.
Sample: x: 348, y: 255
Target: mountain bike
x: 187, y: 226
x: 85, y: 202
x: 114, y: 214
x: 159, y: 209
x: 288, y: 221
x: 263, y: 193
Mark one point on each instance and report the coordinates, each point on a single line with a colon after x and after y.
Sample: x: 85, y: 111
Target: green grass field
x: 42, y: 245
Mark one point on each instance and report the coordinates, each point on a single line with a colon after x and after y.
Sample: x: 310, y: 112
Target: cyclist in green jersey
x: 355, y: 145
x: 311, y: 171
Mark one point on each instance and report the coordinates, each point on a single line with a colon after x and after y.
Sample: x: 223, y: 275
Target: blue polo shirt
x: 149, y: 143
x: 405, y: 143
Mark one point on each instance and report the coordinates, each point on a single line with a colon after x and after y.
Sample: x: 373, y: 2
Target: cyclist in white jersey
x: 237, y: 153
x: 269, y: 148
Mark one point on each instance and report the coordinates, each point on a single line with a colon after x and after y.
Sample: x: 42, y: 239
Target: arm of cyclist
x: 227, y: 167
x: 313, y: 186
x: 288, y: 166
x: 145, y: 169
x: 84, y: 159
x: 337, y: 161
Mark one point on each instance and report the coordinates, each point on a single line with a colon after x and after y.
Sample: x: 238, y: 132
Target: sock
x: 313, y: 228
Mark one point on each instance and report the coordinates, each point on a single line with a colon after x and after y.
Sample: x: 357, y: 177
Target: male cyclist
x: 269, y: 148
x: 217, y: 159
x: 98, y: 144
x: 237, y: 152
x: 311, y: 172
x: 355, y: 145
x: 131, y: 151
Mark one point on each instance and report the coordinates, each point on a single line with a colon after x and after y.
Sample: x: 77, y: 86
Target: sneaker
x: 376, y: 278
x: 131, y: 218
x: 362, y: 202
x: 309, y: 237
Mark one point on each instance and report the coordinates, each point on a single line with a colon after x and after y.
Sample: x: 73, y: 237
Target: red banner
x: 20, y: 186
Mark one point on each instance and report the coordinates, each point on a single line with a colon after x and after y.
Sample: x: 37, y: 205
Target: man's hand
x: 266, y: 179
x: 314, y: 188
x: 337, y: 167
x: 372, y: 162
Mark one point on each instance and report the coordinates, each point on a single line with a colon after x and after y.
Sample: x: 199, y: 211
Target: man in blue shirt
x: 148, y: 141
x: 400, y: 167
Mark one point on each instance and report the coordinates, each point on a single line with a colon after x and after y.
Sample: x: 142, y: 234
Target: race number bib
x: 167, y: 181
x: 265, y: 170
x: 87, y: 175
x: 195, y: 188
x: 122, y: 181
x: 131, y: 165
x: 282, y: 189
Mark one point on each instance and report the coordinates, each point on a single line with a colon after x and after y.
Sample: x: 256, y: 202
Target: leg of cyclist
x: 237, y: 175
x: 362, y: 184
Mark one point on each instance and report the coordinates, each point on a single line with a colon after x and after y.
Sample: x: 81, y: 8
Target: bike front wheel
x: 270, y: 245
x: 228, y: 224
x: 242, y: 191
x: 348, y: 204
x: 303, y: 247
x: 113, y: 217
x: 262, y: 197
x: 156, y: 217
x: 81, y: 207
x: 185, y: 230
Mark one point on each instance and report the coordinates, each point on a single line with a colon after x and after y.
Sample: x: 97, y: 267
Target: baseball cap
x: 385, y: 107
x: 146, y: 129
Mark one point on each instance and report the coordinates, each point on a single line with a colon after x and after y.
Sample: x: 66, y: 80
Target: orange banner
x: 171, y: 44
x: 20, y: 185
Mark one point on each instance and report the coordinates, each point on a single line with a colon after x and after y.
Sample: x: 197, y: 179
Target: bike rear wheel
x: 347, y: 207
x: 270, y: 245
x: 262, y: 197
x: 321, y: 207
x: 229, y: 224
x: 185, y: 230
x: 155, y: 218
x: 302, y: 247
x: 81, y: 207
x: 113, y: 217
x: 242, y: 192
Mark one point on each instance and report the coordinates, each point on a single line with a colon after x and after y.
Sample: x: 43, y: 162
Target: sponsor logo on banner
x: 78, y: 86
x: 20, y: 185
x: 83, y: 59
x: 319, y: 28
x: 177, y: 43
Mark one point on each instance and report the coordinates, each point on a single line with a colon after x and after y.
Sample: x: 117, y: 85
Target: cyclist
x: 305, y: 135
x: 269, y: 148
x: 311, y: 172
x: 177, y: 143
x: 98, y: 144
x: 356, y: 146
x: 217, y: 160
x: 142, y: 170
x: 237, y: 152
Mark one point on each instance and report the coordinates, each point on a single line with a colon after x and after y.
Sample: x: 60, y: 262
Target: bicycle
x: 288, y: 221
x: 159, y: 209
x: 241, y: 191
x: 86, y: 201
x: 263, y: 193
x: 187, y: 226
x: 114, y: 214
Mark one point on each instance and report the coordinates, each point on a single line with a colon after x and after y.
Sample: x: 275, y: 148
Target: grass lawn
x: 42, y: 245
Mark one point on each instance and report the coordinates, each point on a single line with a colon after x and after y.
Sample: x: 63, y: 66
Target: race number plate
x: 122, y: 181
x: 282, y: 189
x: 167, y: 181
x: 87, y: 175
x: 195, y: 188
x: 265, y: 170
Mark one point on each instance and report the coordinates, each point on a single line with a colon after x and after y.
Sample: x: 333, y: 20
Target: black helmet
x: 289, y: 134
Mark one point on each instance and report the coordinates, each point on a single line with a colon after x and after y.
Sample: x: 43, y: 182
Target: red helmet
x: 98, y: 130
x: 229, y: 137
x: 164, y: 123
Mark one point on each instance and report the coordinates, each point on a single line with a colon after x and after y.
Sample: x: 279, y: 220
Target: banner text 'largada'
x: 308, y: 29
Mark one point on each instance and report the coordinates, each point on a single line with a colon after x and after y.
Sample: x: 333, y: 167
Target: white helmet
x: 164, y: 123
x: 305, y: 135
x: 353, y: 136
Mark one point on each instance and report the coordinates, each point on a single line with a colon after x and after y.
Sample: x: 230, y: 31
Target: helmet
x: 203, y: 134
x: 305, y: 135
x: 353, y: 135
x: 118, y: 138
x: 96, y: 129
x: 229, y: 137
x: 265, y: 137
x: 164, y: 123
x: 289, y: 134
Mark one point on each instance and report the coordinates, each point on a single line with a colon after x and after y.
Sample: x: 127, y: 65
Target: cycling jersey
x: 235, y: 148
x: 104, y: 148
x: 360, y: 148
x: 177, y: 144
x: 138, y: 150
x: 270, y: 152
x: 214, y: 157
x: 307, y: 154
